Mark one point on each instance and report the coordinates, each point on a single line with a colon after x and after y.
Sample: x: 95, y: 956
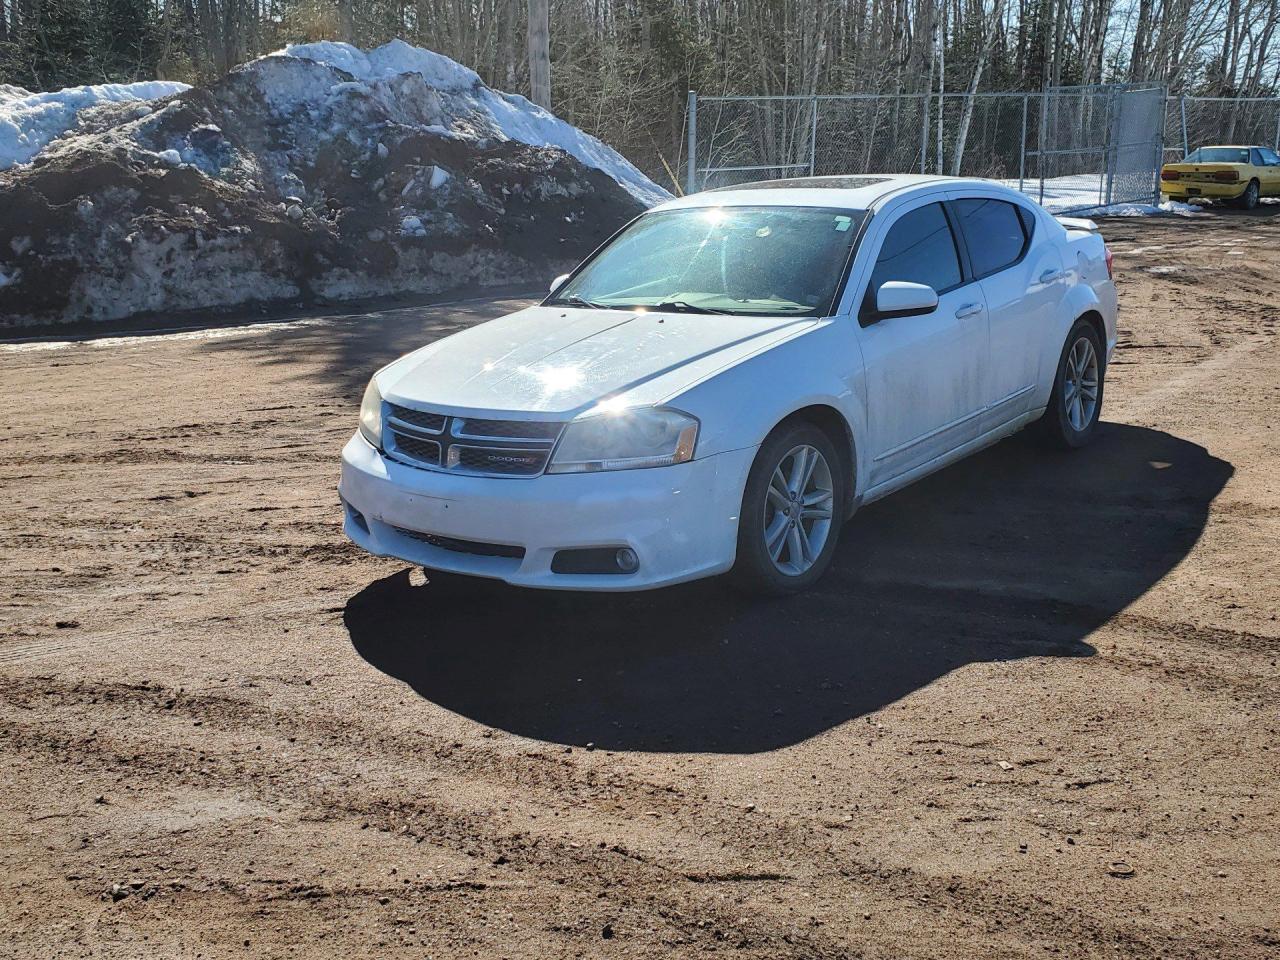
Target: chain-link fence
x: 1073, y: 148
x: 1192, y: 122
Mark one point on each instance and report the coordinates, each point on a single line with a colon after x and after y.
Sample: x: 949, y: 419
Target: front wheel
x: 1076, y: 401
x: 792, y: 511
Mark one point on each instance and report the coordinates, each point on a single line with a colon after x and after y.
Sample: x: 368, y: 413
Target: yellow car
x: 1240, y: 174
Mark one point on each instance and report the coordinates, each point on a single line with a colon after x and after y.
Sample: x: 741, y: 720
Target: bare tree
x: 991, y: 26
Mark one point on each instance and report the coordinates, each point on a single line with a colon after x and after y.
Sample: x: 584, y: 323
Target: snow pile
x: 318, y: 174
x: 29, y: 121
x: 470, y: 108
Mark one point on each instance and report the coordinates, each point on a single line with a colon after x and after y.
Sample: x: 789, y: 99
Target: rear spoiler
x: 1078, y: 223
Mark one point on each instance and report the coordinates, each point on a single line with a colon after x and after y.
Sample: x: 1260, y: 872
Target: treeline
x: 620, y: 68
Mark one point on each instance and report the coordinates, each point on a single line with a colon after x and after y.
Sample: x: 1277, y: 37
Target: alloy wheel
x: 798, y: 509
x: 1080, y: 386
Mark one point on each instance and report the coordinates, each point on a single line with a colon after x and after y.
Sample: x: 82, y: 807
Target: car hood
x: 562, y: 361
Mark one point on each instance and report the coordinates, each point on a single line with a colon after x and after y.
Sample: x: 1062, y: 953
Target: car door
x: 1023, y: 282
x: 924, y: 375
x: 1270, y: 179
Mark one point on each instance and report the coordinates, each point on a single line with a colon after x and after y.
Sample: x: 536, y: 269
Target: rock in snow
x: 319, y: 173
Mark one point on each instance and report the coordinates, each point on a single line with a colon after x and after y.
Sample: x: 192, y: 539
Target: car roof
x: 842, y: 192
x: 1231, y: 146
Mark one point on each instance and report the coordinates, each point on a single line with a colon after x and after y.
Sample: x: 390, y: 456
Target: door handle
x: 968, y: 310
x: 1050, y: 275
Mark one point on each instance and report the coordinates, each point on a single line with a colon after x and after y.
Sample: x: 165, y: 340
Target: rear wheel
x: 792, y: 512
x: 1076, y: 402
x: 1249, y: 199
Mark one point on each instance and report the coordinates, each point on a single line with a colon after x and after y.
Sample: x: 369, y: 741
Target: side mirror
x: 558, y: 282
x: 898, y: 298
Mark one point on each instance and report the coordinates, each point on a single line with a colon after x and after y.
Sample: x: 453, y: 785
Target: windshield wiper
x: 573, y: 300
x: 681, y: 306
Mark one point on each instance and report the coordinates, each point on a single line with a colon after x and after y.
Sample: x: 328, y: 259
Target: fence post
x: 1044, y: 122
x: 1277, y: 146
x: 1159, y: 146
x: 925, y: 100
x: 1186, y: 147
x: 813, y: 137
x: 1022, y: 149
x: 691, y: 164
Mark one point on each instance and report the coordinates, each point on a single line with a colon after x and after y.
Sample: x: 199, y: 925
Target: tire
x: 1074, y: 407
x: 1249, y: 199
x: 802, y: 550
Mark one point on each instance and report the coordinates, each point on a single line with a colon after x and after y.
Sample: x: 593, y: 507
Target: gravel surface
x: 1031, y: 712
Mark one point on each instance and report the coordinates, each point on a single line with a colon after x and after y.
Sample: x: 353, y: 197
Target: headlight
x: 371, y: 415
x: 625, y: 440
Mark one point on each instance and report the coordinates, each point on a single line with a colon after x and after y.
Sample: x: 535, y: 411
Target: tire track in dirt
x: 571, y: 863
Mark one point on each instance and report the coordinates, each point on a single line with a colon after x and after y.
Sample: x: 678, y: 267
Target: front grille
x: 480, y: 446
x: 504, y: 460
x: 416, y: 448
x: 430, y: 422
x: 474, y: 547
x: 478, y: 429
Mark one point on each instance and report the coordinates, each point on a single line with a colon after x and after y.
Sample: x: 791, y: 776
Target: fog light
x: 627, y: 560
x: 356, y: 516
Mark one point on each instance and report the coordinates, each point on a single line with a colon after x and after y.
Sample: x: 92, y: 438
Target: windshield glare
x: 739, y: 260
x: 1218, y: 155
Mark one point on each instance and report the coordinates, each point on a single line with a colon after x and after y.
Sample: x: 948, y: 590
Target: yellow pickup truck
x: 1239, y: 174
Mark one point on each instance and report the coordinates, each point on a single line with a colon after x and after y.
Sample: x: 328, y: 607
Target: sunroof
x: 810, y: 183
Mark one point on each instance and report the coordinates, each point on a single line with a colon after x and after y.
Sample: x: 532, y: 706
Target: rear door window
x: 994, y: 232
x: 919, y: 248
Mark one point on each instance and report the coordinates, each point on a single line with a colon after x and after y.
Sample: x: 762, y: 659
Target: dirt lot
x: 225, y: 732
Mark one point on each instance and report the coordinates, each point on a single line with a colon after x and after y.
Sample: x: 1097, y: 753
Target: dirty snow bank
x: 1147, y: 209
x: 474, y: 109
x: 297, y: 180
x: 29, y: 121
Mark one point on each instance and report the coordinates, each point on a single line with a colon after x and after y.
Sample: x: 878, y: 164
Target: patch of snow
x: 1147, y: 209
x: 472, y: 110
x: 387, y: 61
x: 7, y: 278
x: 1162, y: 269
x: 29, y: 121
x: 172, y: 157
x: 1087, y: 192
x: 439, y: 177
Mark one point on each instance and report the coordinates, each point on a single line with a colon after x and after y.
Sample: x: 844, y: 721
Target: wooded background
x: 620, y: 68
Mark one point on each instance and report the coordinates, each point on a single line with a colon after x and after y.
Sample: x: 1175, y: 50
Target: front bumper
x: 682, y: 521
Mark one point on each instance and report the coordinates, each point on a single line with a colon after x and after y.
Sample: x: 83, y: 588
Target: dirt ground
x: 1032, y: 711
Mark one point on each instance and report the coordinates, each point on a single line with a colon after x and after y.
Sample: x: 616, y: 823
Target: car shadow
x: 1015, y: 552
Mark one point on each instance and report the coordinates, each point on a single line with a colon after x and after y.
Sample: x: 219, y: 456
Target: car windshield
x: 1218, y: 155
x: 737, y: 260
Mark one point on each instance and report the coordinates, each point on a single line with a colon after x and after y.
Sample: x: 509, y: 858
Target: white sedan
x: 725, y: 381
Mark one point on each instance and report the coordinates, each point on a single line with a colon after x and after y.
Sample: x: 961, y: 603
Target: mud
x: 1032, y: 712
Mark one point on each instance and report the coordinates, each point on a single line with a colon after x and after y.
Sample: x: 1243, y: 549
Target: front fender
x: 739, y: 406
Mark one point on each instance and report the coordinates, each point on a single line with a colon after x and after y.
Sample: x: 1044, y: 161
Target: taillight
x: 1226, y: 176
x: 1110, y: 257
x: 1170, y: 175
